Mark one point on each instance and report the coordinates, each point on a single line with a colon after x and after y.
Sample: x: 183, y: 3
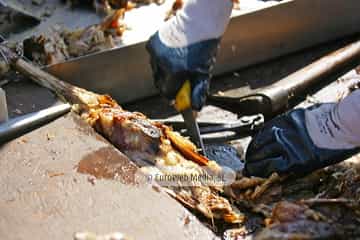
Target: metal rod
x: 274, y: 98
x: 297, y: 82
x: 17, y: 126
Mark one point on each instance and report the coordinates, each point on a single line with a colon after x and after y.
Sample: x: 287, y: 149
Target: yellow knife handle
x: 183, y: 97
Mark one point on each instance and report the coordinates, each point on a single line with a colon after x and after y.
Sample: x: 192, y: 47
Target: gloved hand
x: 305, y: 140
x: 185, y: 47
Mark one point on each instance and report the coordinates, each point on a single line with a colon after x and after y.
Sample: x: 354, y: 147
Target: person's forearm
x: 199, y: 20
x: 338, y: 127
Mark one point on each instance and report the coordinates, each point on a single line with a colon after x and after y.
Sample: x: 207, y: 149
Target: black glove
x: 284, y: 146
x: 173, y: 66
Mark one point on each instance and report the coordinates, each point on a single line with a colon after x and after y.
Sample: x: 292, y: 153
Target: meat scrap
x: 289, y: 211
x: 46, y: 50
x: 108, y: 6
x: 314, y: 217
x: 290, y: 220
x: 259, y: 190
x: 61, y: 44
x: 250, y: 189
x: 302, y: 229
x: 178, y: 4
x: 245, y: 183
x: 303, y: 209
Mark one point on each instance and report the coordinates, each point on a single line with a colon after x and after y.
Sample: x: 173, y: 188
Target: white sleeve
x: 197, y: 21
x: 336, y: 126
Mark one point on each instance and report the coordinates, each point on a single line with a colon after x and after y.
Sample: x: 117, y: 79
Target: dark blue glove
x: 185, y: 46
x: 173, y: 66
x: 284, y: 146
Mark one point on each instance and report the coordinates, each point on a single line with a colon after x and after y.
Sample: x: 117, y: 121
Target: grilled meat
x: 153, y: 144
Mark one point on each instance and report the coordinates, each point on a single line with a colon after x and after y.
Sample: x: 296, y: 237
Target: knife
x: 183, y: 105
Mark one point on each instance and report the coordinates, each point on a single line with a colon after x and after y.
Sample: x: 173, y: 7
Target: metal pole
x: 313, y: 74
x: 274, y: 98
x: 17, y: 126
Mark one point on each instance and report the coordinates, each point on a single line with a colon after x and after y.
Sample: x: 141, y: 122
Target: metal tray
x: 258, y: 32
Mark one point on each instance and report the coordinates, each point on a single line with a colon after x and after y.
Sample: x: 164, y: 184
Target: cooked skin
x: 152, y: 144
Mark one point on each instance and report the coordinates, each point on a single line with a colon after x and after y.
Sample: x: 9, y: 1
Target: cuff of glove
x: 294, y: 151
x: 319, y: 157
x: 197, y: 21
x: 173, y: 66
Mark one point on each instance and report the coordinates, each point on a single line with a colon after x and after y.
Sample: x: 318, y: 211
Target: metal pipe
x: 274, y: 98
x: 297, y: 82
x: 20, y: 125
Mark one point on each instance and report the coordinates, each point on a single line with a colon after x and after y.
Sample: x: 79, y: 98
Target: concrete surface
x: 44, y: 196
x: 25, y: 97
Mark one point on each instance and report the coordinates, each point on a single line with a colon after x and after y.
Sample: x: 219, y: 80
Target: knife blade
x: 183, y: 105
x: 193, y: 128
